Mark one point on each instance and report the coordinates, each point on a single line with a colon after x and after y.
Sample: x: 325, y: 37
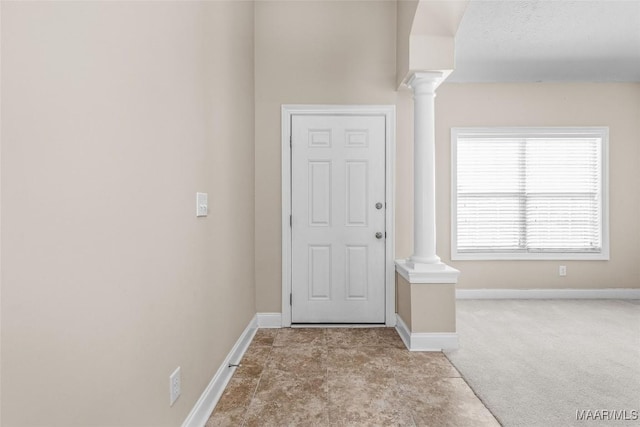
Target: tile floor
x: 345, y: 377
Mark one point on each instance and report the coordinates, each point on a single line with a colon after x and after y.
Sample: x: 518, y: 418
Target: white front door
x: 338, y: 219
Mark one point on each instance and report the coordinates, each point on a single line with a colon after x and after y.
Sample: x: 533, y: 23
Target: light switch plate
x: 175, y: 386
x: 202, y: 206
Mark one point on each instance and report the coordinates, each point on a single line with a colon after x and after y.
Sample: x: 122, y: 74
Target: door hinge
x: 290, y: 141
x: 290, y: 220
x: 291, y: 299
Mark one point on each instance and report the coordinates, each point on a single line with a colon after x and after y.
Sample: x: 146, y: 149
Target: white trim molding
x: 403, y: 331
x: 426, y: 341
x: 207, y: 402
x: 389, y: 113
x: 613, y: 293
x: 269, y: 320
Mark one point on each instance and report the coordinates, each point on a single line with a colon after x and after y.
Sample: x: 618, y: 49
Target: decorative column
x: 426, y: 285
x: 424, y: 258
x: 424, y: 177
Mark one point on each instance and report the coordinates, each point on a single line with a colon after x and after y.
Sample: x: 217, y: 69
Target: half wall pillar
x: 425, y: 285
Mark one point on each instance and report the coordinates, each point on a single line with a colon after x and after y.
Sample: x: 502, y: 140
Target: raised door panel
x: 357, y: 272
x: 356, y: 191
x: 319, y: 193
x: 319, y: 272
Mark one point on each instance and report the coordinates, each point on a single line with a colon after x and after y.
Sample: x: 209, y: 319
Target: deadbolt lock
x: 378, y: 205
x: 378, y: 235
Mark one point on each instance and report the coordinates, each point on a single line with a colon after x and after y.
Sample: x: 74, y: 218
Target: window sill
x: 603, y: 256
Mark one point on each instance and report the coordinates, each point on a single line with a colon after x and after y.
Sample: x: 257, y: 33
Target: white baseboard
x: 204, y: 406
x: 403, y: 331
x: 434, y: 341
x: 269, y: 320
x: 618, y: 293
x: 426, y: 341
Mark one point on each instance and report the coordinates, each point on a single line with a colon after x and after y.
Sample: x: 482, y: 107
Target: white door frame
x: 389, y: 113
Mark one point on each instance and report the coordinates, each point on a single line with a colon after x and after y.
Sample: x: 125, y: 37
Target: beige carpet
x: 537, y: 362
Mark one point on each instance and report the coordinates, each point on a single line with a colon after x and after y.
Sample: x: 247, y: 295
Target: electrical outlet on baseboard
x: 562, y: 271
x: 174, y: 386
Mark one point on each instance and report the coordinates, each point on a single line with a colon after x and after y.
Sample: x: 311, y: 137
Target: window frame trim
x: 528, y: 132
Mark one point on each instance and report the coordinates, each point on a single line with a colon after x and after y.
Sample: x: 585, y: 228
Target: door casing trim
x: 389, y: 113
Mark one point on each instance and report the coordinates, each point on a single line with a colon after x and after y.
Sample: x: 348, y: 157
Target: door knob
x: 378, y: 235
x: 378, y: 205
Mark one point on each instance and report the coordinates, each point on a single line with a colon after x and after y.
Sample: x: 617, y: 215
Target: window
x: 529, y: 193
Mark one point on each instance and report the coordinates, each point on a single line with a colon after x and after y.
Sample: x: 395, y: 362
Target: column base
x: 414, y: 272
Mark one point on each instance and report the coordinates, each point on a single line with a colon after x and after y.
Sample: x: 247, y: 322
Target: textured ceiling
x: 551, y: 40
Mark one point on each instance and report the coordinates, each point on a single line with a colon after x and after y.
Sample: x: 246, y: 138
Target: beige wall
x: 550, y: 104
x: 310, y: 53
x: 433, y: 307
x: 403, y: 300
x: 426, y: 307
x: 113, y: 116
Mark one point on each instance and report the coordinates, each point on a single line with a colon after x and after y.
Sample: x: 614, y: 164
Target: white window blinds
x: 528, y: 193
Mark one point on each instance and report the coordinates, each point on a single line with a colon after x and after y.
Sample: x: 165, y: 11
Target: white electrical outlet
x: 562, y: 271
x: 174, y: 386
x: 202, y: 204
